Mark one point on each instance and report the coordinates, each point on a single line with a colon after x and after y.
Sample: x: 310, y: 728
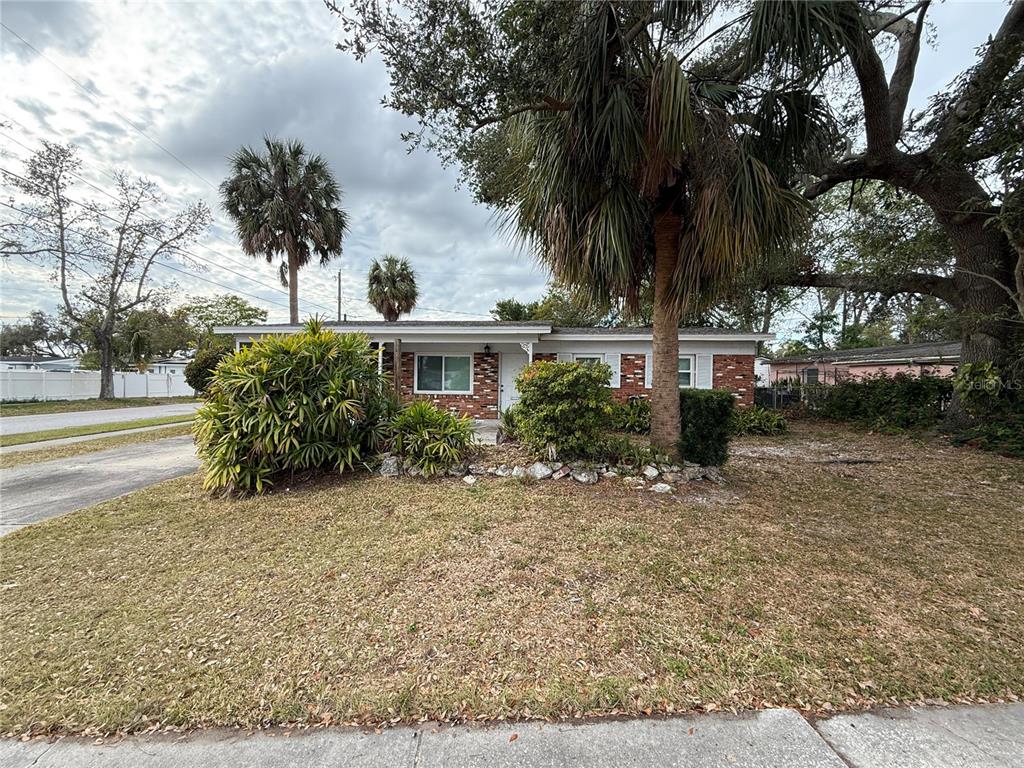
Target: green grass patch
x: 73, y: 406
x: 821, y: 586
x: 90, y: 429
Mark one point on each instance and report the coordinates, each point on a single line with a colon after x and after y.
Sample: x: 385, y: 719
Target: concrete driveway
x: 14, y: 425
x: 34, y: 492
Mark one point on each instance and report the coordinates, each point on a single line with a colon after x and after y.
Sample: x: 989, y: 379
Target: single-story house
x: 38, y: 363
x: 171, y: 365
x: 828, y: 366
x: 471, y: 366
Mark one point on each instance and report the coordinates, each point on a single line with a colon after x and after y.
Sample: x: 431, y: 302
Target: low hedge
x: 431, y: 440
x: 883, y: 402
x: 705, y: 421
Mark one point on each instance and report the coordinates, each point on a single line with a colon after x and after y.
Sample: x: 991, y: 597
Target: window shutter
x: 565, y: 357
x: 648, y: 370
x: 615, y: 363
x: 705, y: 371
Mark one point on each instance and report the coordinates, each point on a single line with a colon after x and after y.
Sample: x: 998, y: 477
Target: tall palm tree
x: 391, y: 288
x: 285, y: 203
x: 634, y: 175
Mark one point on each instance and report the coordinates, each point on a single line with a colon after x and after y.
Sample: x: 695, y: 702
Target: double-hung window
x: 444, y: 374
x: 685, y: 372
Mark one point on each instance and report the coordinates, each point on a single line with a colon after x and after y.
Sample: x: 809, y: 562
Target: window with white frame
x: 444, y: 374
x: 588, y: 357
x: 685, y: 372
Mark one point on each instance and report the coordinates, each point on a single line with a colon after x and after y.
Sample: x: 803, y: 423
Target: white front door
x: 511, y: 364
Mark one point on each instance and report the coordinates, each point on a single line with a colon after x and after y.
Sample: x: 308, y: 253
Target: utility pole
x: 339, y: 295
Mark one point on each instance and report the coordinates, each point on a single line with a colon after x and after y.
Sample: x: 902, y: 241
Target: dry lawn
x: 801, y: 582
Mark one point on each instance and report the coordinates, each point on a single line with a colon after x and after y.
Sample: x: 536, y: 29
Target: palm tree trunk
x: 665, y: 378
x: 293, y: 288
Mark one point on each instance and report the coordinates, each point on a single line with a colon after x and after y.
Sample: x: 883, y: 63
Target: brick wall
x: 736, y: 374
x: 632, y: 369
x: 482, y: 404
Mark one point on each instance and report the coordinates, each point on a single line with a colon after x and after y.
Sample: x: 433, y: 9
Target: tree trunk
x: 665, y: 378
x: 293, y: 288
x: 106, y: 367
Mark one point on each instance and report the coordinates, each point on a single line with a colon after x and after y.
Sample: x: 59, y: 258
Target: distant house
x: 19, y: 363
x: 62, y: 364
x: 172, y: 365
x: 828, y: 366
x: 471, y: 366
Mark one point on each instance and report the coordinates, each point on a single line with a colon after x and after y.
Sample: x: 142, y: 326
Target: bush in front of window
x: 564, y: 408
x: 705, y: 423
x: 431, y: 440
x: 634, y: 416
x: 309, y: 401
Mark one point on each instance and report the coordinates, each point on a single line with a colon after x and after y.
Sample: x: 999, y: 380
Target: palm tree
x: 392, y: 287
x: 285, y: 202
x: 634, y: 176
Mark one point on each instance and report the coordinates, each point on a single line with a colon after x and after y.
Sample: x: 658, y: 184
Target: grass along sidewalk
x: 90, y: 429
x: 14, y: 459
x: 73, y: 406
x: 803, y: 581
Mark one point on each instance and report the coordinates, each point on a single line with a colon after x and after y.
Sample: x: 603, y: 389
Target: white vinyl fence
x: 83, y: 385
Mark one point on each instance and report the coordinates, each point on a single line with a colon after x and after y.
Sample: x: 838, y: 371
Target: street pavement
x: 30, y: 493
x: 16, y: 425
x: 988, y: 736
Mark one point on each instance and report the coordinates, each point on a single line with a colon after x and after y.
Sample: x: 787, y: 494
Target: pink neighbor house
x: 828, y: 367
x: 470, y: 367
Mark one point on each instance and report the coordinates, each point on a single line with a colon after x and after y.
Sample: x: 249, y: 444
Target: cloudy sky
x: 199, y: 79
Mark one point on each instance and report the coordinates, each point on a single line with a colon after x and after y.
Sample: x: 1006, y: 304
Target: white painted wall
x: 85, y: 385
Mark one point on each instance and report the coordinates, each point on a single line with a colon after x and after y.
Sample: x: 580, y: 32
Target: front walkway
x: 486, y: 431
x: 986, y: 736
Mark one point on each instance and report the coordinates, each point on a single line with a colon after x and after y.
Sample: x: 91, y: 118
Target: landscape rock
x: 651, y: 472
x: 503, y: 471
x: 518, y: 472
x: 662, y: 488
x: 561, y: 472
x: 413, y: 471
x: 636, y: 483
x: 611, y: 473
x: 477, y: 469
x: 469, y: 479
x: 673, y: 477
x: 714, y: 475
x: 390, y: 466
x: 539, y: 471
x: 585, y: 476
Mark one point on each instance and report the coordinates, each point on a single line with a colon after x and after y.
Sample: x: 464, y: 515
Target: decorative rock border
x: 657, y: 478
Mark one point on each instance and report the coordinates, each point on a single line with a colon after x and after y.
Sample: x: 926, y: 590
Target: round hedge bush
x: 564, y: 408
x: 200, y: 368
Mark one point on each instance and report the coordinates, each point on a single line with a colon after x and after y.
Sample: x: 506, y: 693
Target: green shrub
x: 564, y: 408
x: 508, y: 423
x: 996, y: 408
x: 884, y: 402
x: 705, y: 417
x: 756, y: 420
x: 634, y: 415
x: 309, y: 401
x: 199, y: 371
x: 620, y: 449
x: 430, y: 439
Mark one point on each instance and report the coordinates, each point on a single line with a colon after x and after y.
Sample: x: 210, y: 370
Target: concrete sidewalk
x: 990, y: 736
